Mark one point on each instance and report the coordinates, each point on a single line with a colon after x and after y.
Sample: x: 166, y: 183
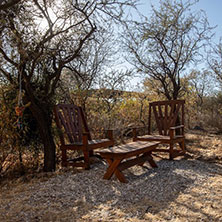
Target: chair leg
x: 91, y: 153
x: 182, y: 146
x: 64, y: 158
x: 86, y: 160
x: 134, y: 135
x: 171, y: 151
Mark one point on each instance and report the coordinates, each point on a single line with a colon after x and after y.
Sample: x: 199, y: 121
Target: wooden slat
x: 165, y: 124
x: 172, y: 107
x: 157, y: 119
x: 175, y: 115
x: 149, y: 118
x: 64, y: 125
x: 168, y: 102
x: 64, y: 114
x: 75, y: 123
x: 79, y: 122
x: 183, y: 114
x: 129, y: 149
x: 86, y: 128
x: 161, y: 118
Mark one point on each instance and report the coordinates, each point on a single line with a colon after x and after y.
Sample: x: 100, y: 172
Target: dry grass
x: 204, y: 146
x: 187, y: 189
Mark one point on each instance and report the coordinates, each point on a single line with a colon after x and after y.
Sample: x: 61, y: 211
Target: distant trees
x: 166, y: 43
x: 215, y: 102
x: 111, y: 86
x: 38, y: 40
x: 203, y: 84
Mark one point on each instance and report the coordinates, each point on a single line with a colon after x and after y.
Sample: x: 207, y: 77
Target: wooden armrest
x: 172, y: 130
x: 176, y: 127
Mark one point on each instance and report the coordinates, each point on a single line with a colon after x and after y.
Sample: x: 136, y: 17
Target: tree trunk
x: 44, y: 124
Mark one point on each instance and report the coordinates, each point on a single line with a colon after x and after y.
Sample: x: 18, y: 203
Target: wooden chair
x: 169, y: 118
x: 74, y: 135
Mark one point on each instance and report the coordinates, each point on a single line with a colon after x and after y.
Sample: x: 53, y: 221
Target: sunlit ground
x: 186, y: 189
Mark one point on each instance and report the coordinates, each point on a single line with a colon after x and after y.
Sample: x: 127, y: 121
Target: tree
x: 38, y: 41
x: 203, y: 83
x: 165, y: 44
x: 110, y: 90
x: 86, y: 71
x: 215, y: 61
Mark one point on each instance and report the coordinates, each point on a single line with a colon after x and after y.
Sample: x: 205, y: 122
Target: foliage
x: 117, y: 110
x: 8, y: 132
x: 14, y: 141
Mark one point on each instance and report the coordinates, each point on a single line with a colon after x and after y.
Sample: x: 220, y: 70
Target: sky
x: 212, y: 9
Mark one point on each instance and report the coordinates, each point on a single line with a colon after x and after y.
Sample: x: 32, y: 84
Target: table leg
x: 149, y: 159
x: 113, y: 168
x: 152, y: 162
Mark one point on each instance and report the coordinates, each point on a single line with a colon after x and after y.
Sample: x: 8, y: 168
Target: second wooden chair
x: 169, y: 118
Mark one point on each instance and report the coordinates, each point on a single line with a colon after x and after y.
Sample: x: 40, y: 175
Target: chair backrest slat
x: 165, y: 124
x: 86, y: 128
x: 70, y: 119
x: 158, y: 122
x: 166, y: 114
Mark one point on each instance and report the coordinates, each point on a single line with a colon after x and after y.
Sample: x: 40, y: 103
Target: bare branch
x: 8, y: 4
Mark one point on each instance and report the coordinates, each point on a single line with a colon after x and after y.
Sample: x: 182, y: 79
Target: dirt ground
x: 186, y: 189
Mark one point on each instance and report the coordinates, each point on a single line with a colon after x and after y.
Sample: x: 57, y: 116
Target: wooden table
x: 124, y: 156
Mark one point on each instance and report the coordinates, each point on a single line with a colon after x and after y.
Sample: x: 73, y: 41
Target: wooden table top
x: 129, y: 148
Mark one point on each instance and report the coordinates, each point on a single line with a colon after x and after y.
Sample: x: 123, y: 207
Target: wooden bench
x: 124, y: 156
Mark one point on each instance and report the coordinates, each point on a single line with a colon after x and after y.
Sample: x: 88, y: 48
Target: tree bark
x: 44, y: 122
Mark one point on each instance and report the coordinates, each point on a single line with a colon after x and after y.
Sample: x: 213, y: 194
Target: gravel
x: 179, y: 190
